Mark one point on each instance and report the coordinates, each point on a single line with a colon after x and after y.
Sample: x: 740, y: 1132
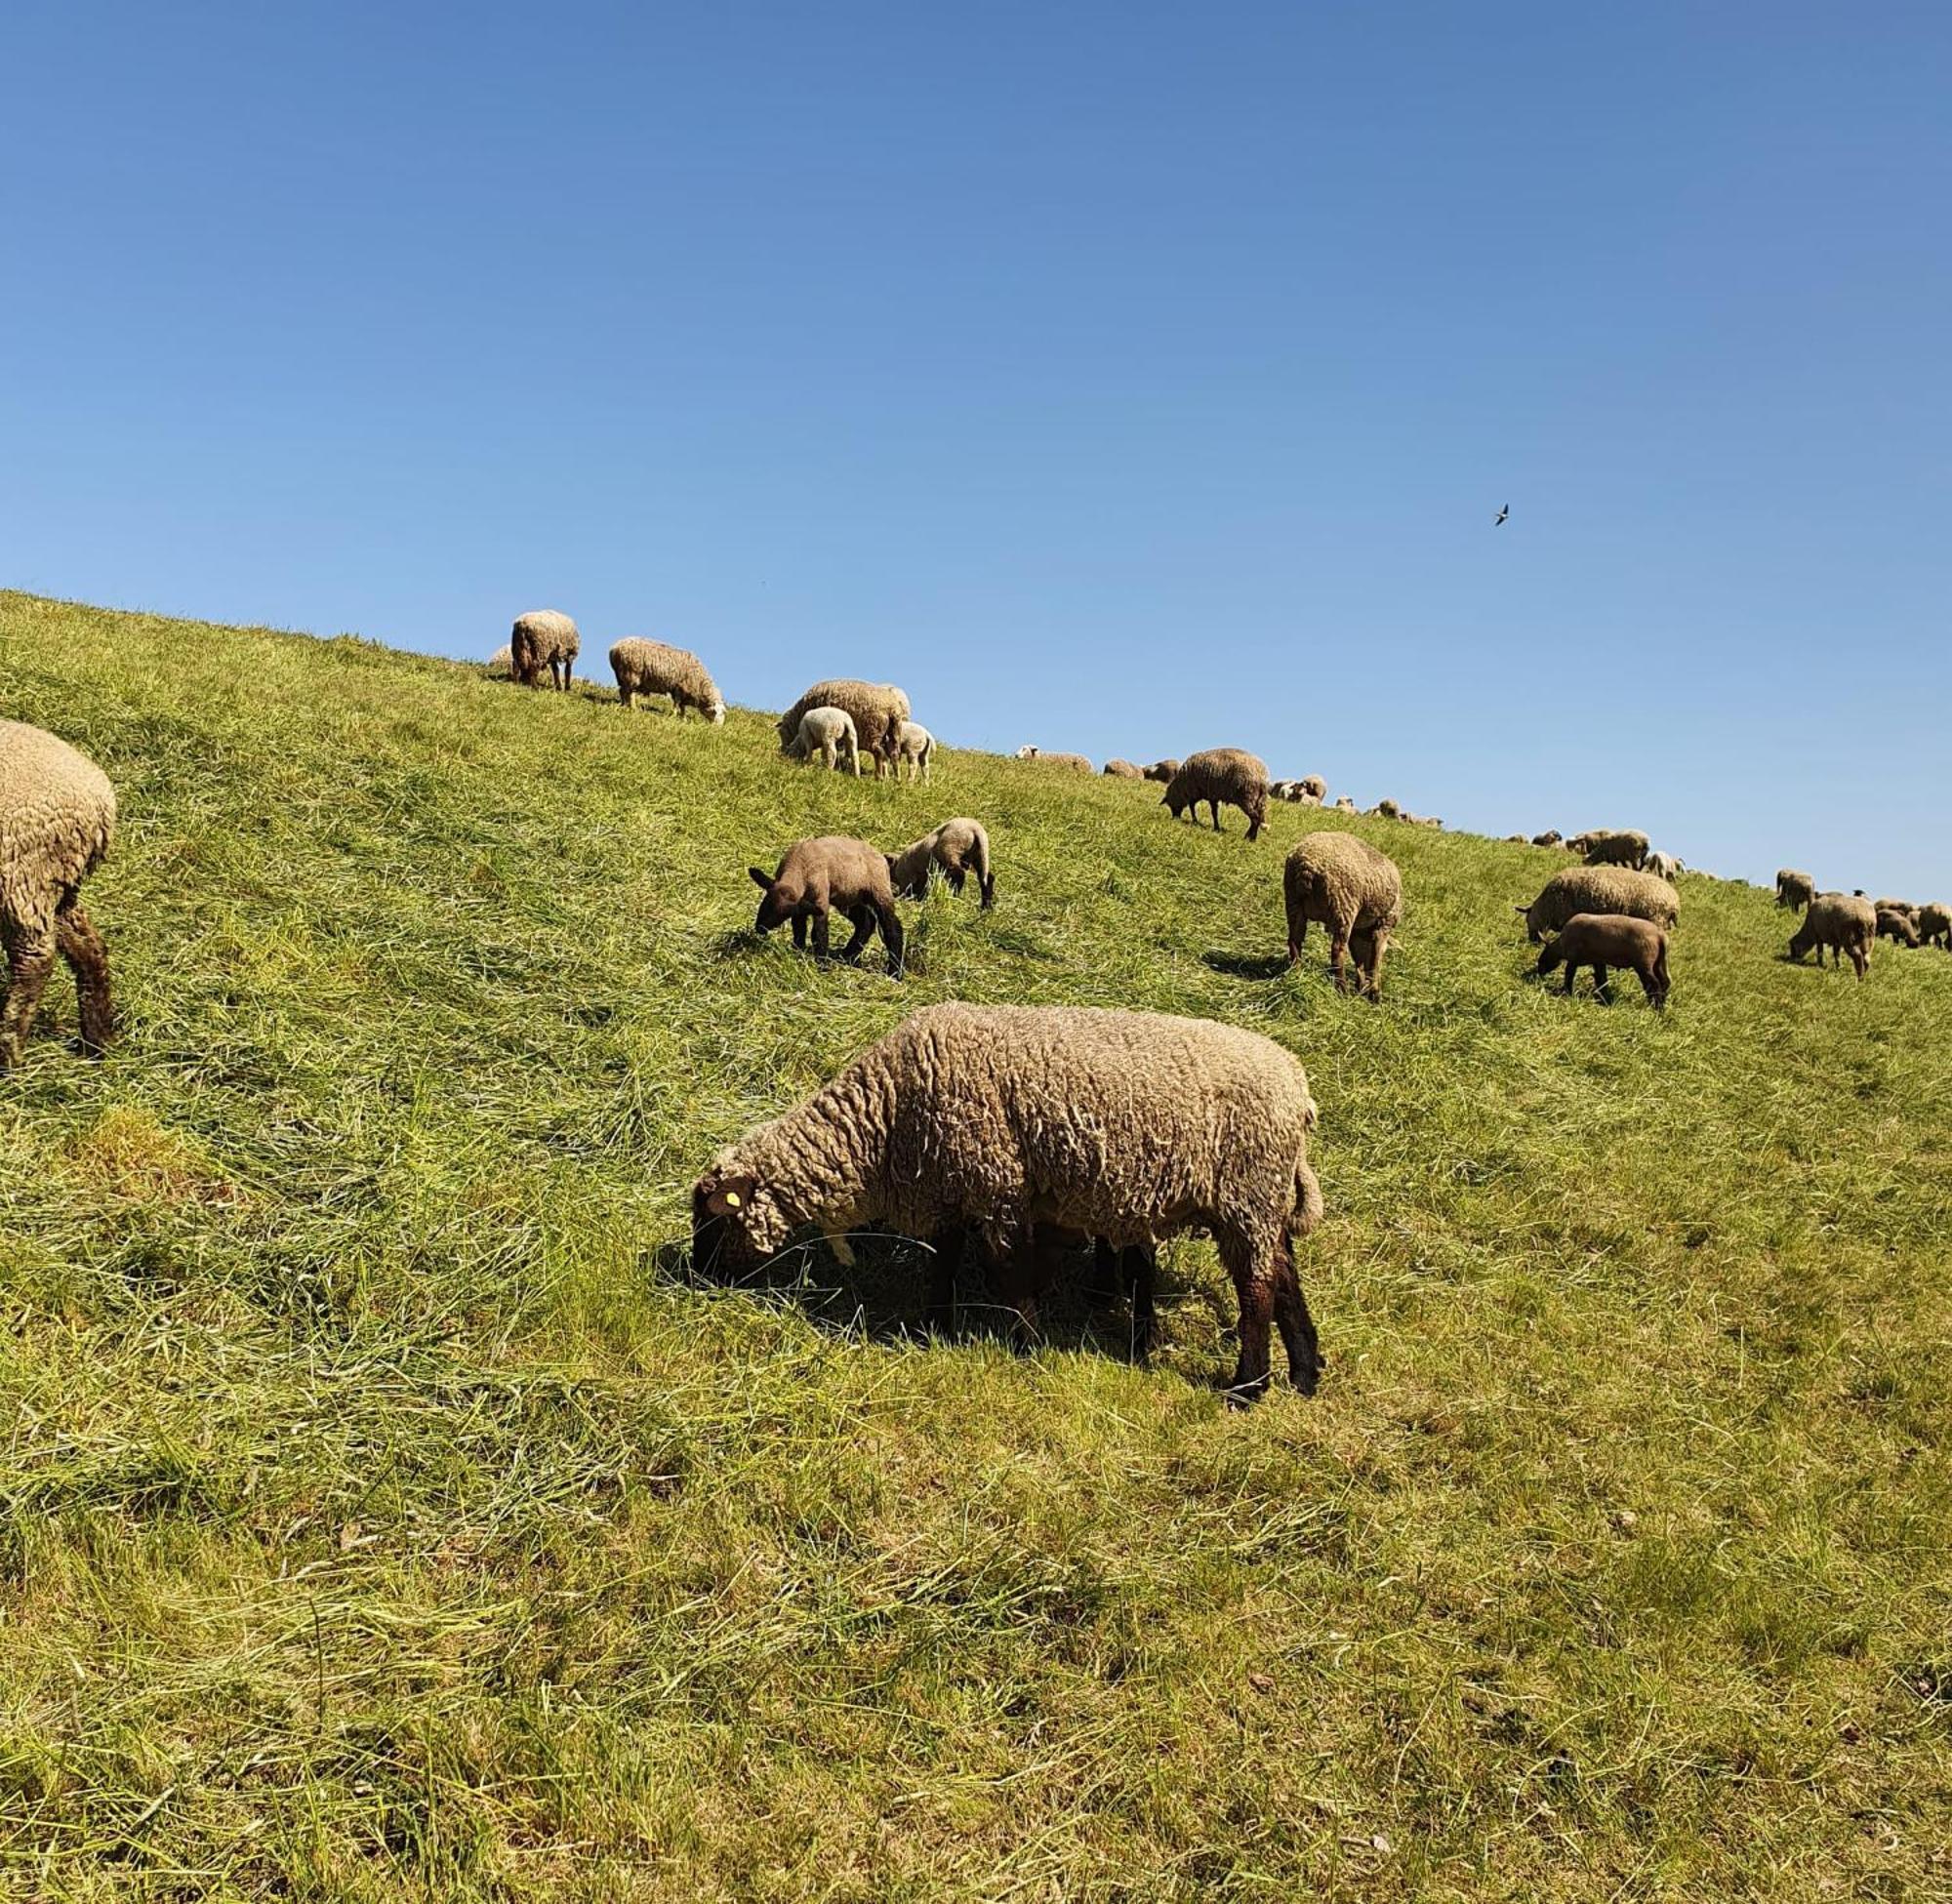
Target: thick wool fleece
x: 1344, y: 883
x: 1601, y: 889
x: 874, y: 706
x: 645, y: 667
x: 1222, y: 776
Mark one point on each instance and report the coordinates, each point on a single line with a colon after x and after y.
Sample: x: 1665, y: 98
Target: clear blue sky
x: 1127, y: 378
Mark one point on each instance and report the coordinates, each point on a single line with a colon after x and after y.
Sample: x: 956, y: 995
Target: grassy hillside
x: 387, y: 1513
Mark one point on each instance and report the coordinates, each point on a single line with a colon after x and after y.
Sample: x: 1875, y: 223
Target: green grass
x: 388, y: 1516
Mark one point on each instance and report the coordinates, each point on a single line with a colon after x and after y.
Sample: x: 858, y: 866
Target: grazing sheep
x: 1794, y: 890
x: 1385, y: 810
x: 1935, y: 926
x: 56, y: 819
x: 875, y: 707
x: 1222, y: 775
x: 1515, y: 840
x: 817, y: 876
x: 1314, y: 790
x: 959, y: 847
x: 501, y: 664
x: 1600, y: 889
x: 1123, y: 770
x: 1075, y: 763
x: 645, y: 667
x: 1896, y: 924
x: 1163, y: 771
x: 1663, y: 866
x: 1424, y: 820
x: 1552, y: 838
x: 1284, y: 789
x: 1351, y: 889
x: 830, y: 732
x: 1627, y: 848
x: 1129, y: 1126
x: 1844, y: 922
x: 543, y: 638
x: 909, y: 744
x: 1605, y: 939
x: 1345, y: 805
x: 1904, y: 905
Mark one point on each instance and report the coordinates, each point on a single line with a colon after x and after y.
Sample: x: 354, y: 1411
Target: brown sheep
x: 838, y: 875
x: 1605, y: 939
x: 1355, y: 892
x: 1842, y: 922
x: 957, y: 848
x: 1935, y: 926
x: 1794, y: 890
x: 1550, y: 838
x: 1122, y: 770
x: 542, y: 638
x: 1222, y: 775
x: 1896, y: 924
x: 1163, y: 771
x: 1629, y: 848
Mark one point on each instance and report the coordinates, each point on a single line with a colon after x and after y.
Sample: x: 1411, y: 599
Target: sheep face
x: 735, y: 1224
x: 776, y: 907
x: 718, y: 712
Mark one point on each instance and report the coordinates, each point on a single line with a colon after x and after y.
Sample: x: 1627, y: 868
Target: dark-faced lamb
x: 816, y: 877
x: 1602, y: 940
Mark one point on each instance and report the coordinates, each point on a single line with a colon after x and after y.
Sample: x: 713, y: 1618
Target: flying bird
x: 1502, y: 513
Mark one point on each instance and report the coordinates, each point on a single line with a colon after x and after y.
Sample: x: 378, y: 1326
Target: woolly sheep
x: 1904, y: 905
x: 1129, y: 1126
x: 1345, y: 805
x: 1314, y: 790
x: 645, y: 667
x: 1600, y: 889
x: 1935, y: 926
x: 1794, y: 890
x: 1122, y: 770
x: 543, y: 638
x: 501, y: 664
x: 1220, y: 775
x: 1163, y: 771
x: 1605, y: 939
x: 1071, y: 762
x: 875, y: 707
x: 910, y: 742
x: 1663, y: 866
x: 1385, y: 810
x: 1355, y: 892
x: 830, y: 732
x: 1897, y: 925
x: 1844, y: 922
x: 1628, y: 848
x: 832, y: 875
x: 56, y: 819
x: 959, y: 847
x: 1552, y: 838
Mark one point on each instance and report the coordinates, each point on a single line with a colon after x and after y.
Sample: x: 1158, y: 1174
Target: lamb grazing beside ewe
x: 832, y: 875
x: 1071, y: 762
x: 645, y: 667
x: 1896, y: 924
x: 56, y: 819
x: 1794, y: 890
x: 1600, y: 889
x: 1355, y: 892
x: 1935, y: 926
x: 1128, y: 1127
x: 1627, y: 848
x: 1607, y: 939
x: 909, y: 744
x: 1663, y: 866
x: 830, y: 732
x: 1163, y: 771
x: 959, y: 847
x: 1221, y: 776
x: 874, y: 708
x: 543, y: 638
x: 501, y: 664
x: 1844, y: 922
x: 1123, y: 770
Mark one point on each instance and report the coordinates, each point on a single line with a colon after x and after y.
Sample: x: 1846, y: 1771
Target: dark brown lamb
x: 1602, y: 940
x: 832, y: 875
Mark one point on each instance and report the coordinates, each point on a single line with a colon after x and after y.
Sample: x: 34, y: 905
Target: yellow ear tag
x: 731, y: 1200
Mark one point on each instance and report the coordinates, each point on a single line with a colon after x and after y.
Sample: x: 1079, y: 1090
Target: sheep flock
x: 982, y: 1128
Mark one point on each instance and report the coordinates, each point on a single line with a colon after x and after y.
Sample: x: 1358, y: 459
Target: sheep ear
x: 763, y: 880
x: 1520, y: 910
x: 731, y: 1195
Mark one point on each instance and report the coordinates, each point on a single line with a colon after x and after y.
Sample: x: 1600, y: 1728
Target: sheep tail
x: 1306, y: 1211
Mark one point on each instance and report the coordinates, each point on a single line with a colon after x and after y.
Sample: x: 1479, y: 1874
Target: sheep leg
x: 1255, y: 1291
x: 1859, y: 959
x: 1379, y: 943
x: 823, y: 947
x: 1214, y: 806
x: 623, y: 697
x: 1015, y: 1274
x: 88, y: 958
x: 1602, y: 984
x: 941, y: 1317
x: 1339, y: 953
x: 1571, y: 973
x: 1297, y: 937
x: 1139, y: 1265
x: 892, y: 936
x: 800, y: 932
x: 1297, y: 1326
x: 863, y: 922
x: 30, y: 958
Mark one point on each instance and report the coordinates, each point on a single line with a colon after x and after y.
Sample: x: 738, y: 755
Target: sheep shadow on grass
x: 1259, y: 966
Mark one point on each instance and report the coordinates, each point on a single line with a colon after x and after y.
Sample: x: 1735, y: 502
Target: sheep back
x: 1228, y: 776
x: 1841, y: 921
x: 875, y: 707
x: 1122, y: 770
x: 57, y: 819
x: 1337, y: 880
x: 541, y: 636
x: 1601, y: 889
x: 645, y: 667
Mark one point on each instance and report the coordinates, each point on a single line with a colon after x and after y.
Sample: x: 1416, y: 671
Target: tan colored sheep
x: 1935, y: 926
x: 1344, y: 803
x: 1075, y: 763
x: 1552, y: 838
x: 1163, y: 771
x: 56, y: 819
x: 1794, y: 890
x: 1357, y: 892
x: 1122, y: 770
x: 501, y: 664
x: 1607, y: 939
x: 1841, y: 922
x: 1897, y: 925
x: 1600, y: 889
x: 875, y: 707
x: 1628, y: 848
x: 1220, y: 776
x: 832, y: 875
x: 910, y: 745
x: 958, y: 847
x: 645, y: 667
x: 1314, y: 790
x: 542, y: 638
x: 1128, y: 1126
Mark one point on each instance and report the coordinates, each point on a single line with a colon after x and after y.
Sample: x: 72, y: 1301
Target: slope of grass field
x: 388, y: 1515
